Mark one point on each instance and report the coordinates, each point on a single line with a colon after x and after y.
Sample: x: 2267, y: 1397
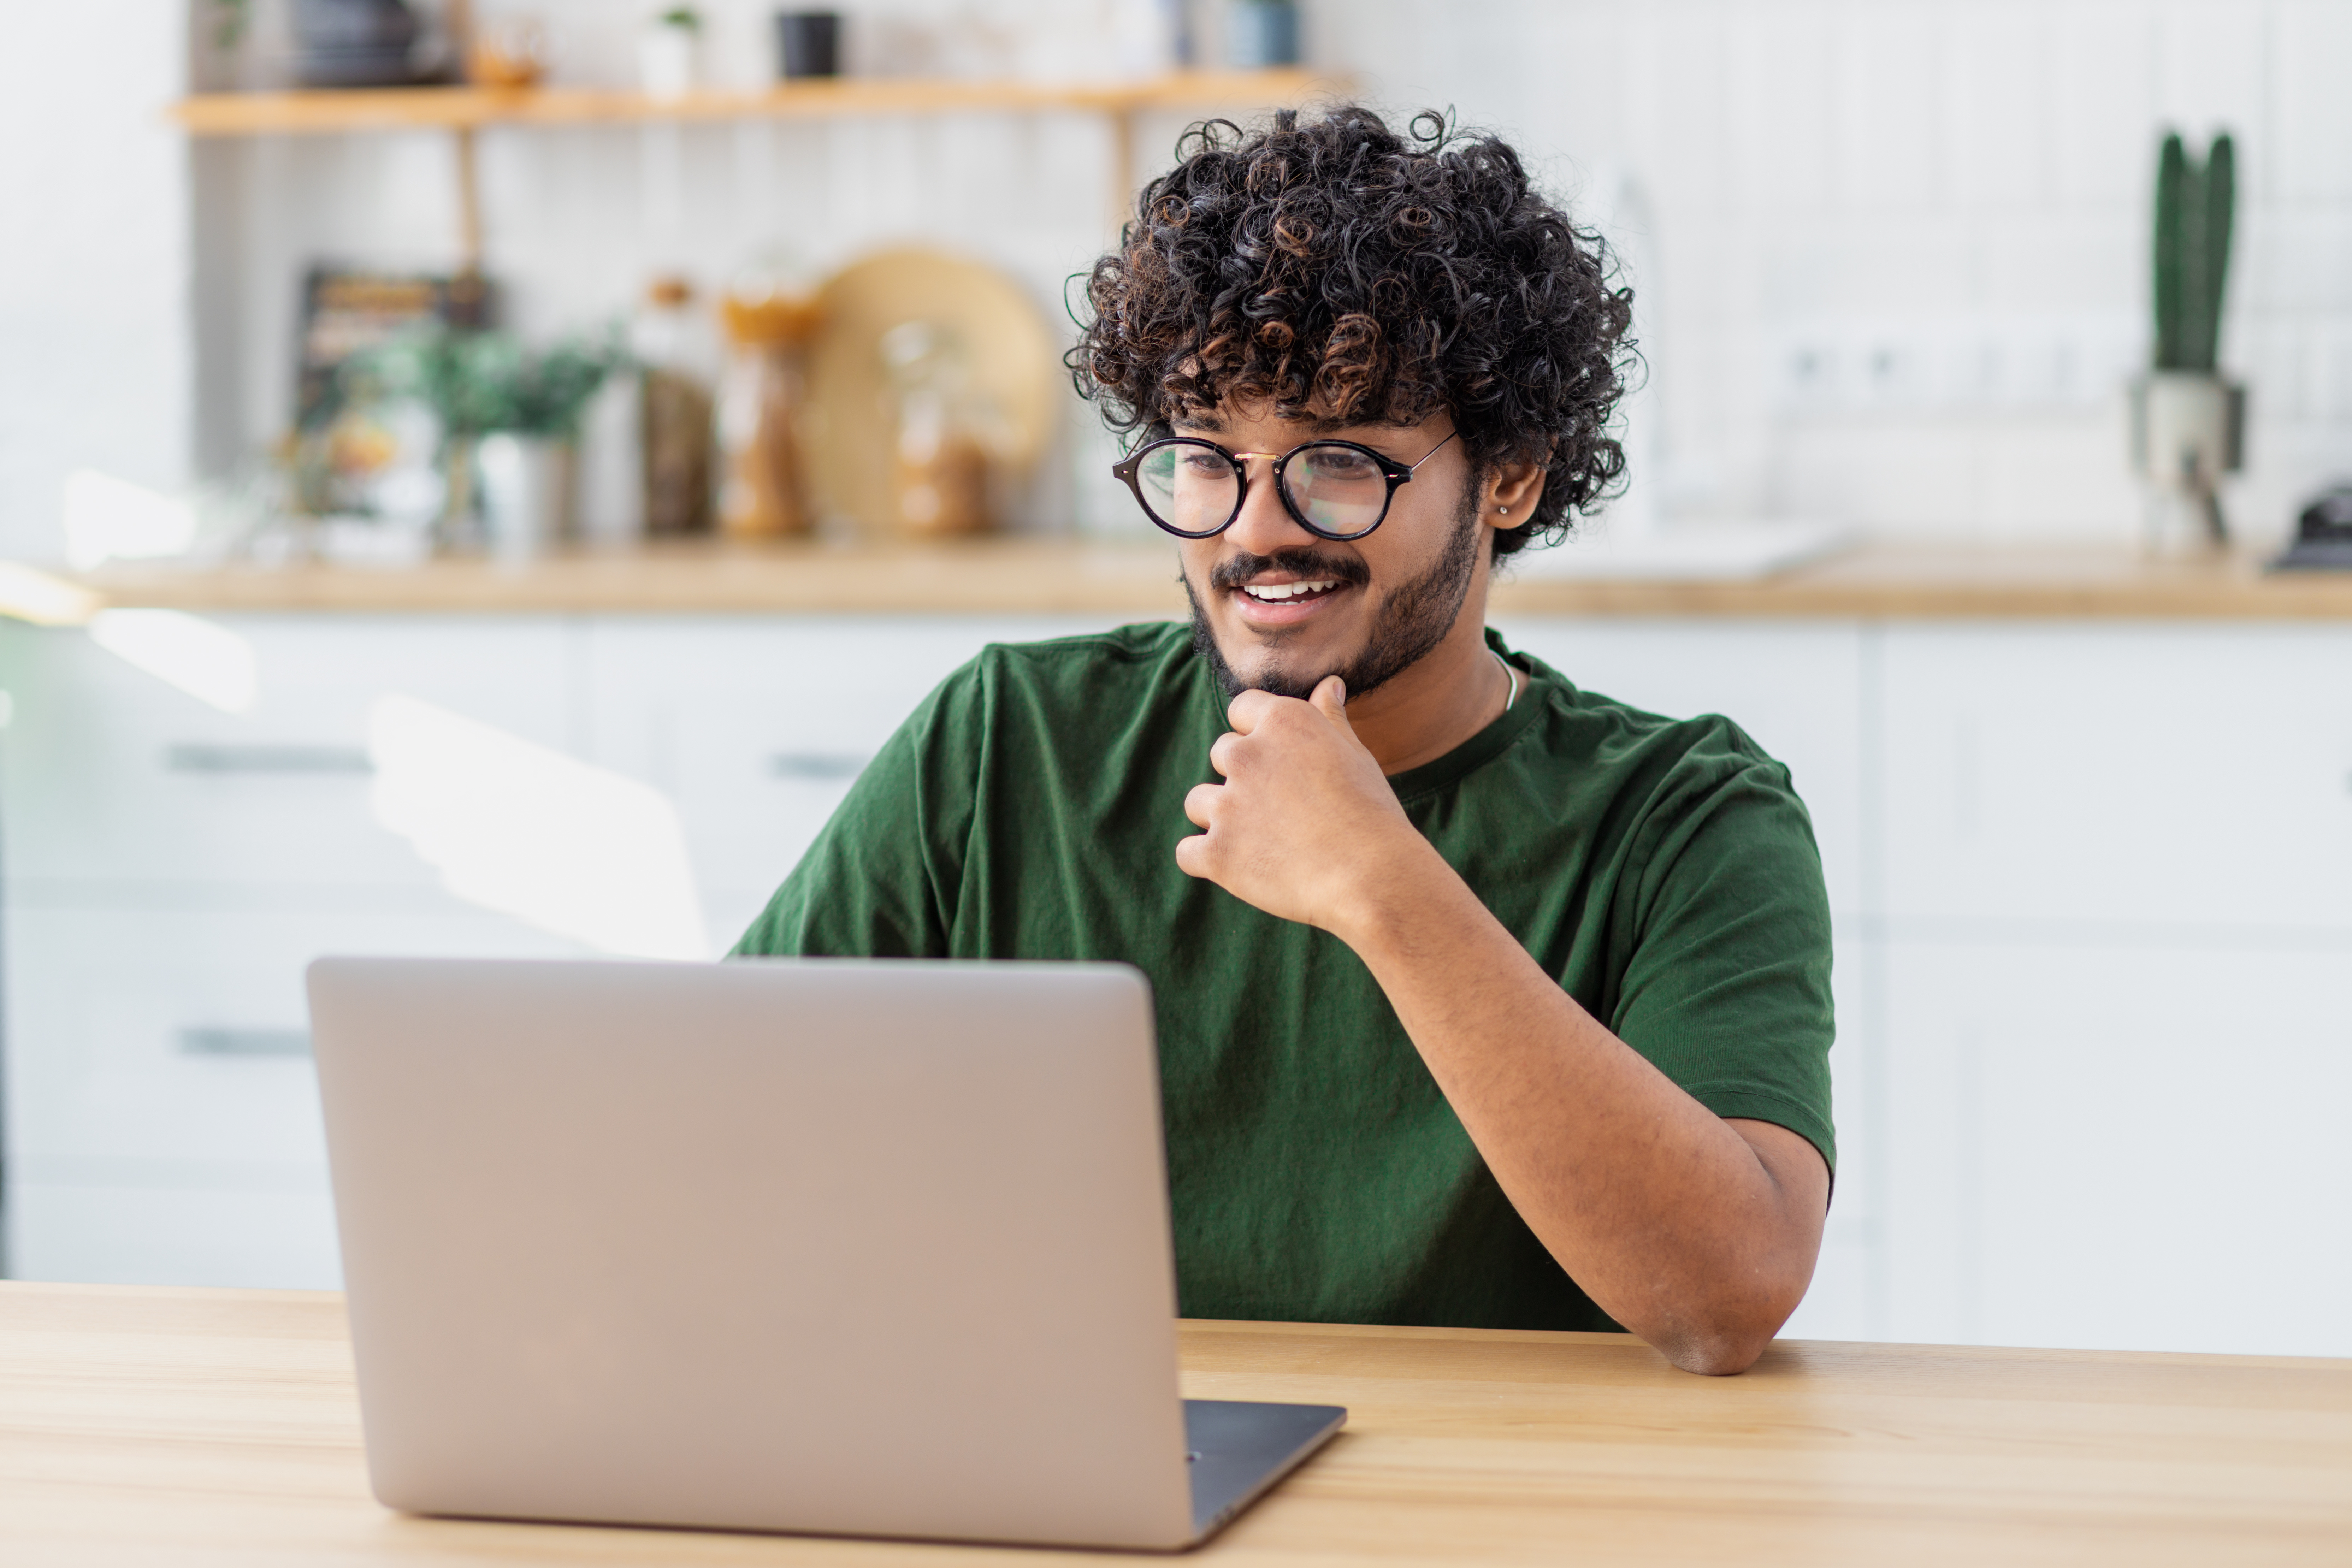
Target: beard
x: 1411, y: 621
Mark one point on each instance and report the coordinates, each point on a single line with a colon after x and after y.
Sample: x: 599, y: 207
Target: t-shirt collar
x: 1481, y: 748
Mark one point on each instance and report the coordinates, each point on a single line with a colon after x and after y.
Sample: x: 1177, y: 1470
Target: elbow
x: 1716, y: 1353
x: 1726, y: 1341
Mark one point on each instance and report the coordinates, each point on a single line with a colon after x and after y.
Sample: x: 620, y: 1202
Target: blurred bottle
x: 613, y: 464
x: 763, y: 494
x: 1261, y: 33
x: 939, y: 482
x: 677, y: 356
x: 1150, y: 36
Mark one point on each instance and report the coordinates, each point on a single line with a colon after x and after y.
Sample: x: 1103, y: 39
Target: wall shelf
x: 310, y: 113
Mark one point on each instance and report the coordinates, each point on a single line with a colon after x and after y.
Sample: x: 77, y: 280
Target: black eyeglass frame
x: 1394, y: 472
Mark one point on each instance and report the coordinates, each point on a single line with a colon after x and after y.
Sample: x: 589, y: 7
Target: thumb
x: 1329, y: 698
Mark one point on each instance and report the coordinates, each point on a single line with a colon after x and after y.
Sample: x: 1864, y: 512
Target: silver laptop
x: 873, y: 1248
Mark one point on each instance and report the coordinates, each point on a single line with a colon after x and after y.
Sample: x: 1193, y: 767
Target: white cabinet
x: 189, y: 1232
x: 2094, y: 897
x: 172, y: 868
x: 2129, y: 1147
x: 113, y: 777
x: 2188, y: 776
x: 176, y: 1040
x: 756, y: 728
x: 2115, y: 935
x: 162, y: 1114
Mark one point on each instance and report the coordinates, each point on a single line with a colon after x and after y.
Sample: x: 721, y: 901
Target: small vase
x: 665, y: 60
x: 526, y: 493
x: 2188, y: 430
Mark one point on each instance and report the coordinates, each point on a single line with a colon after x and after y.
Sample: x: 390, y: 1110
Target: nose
x: 1265, y: 525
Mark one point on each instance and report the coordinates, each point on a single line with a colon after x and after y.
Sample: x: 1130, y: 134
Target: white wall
x: 94, y: 256
x: 1959, y: 186
x: 1893, y: 251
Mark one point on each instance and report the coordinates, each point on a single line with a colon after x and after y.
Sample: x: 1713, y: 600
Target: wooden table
x: 161, y: 1426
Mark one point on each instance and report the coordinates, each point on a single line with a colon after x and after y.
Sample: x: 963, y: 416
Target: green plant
x: 479, y: 382
x: 230, y: 20
x: 2193, y: 210
x: 685, y: 16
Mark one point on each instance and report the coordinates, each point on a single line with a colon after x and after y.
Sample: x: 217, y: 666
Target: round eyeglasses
x: 1335, y: 490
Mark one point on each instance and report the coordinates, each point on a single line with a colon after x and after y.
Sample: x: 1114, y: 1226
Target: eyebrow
x: 1214, y: 424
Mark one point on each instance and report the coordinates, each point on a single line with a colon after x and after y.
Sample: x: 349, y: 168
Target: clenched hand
x: 1304, y: 826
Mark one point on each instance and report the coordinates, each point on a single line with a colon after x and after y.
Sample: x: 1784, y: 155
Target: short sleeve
x: 1728, y: 987
x: 880, y: 880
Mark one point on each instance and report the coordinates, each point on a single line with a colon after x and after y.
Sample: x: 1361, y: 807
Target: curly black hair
x: 1336, y: 270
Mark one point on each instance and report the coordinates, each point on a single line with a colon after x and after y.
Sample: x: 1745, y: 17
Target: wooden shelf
x: 312, y: 113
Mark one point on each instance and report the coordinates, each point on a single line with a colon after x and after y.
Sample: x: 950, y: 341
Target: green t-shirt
x: 1664, y: 870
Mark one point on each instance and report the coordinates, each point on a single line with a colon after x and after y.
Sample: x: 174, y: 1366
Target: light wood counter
x: 1047, y: 576
x: 153, y: 1427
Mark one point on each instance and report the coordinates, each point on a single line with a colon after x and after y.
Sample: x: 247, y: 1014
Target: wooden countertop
x: 157, y: 1427
x: 1032, y: 575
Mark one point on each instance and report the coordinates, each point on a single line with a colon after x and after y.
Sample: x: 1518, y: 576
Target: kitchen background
x: 1891, y: 254
x: 2092, y: 881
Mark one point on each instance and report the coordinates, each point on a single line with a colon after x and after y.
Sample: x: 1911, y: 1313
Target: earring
x: 1504, y: 510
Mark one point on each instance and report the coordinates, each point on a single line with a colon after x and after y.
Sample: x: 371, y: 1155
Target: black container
x: 2323, y: 537
x: 355, y: 43
x: 808, y: 43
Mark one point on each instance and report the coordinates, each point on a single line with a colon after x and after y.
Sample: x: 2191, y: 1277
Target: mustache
x: 1303, y: 560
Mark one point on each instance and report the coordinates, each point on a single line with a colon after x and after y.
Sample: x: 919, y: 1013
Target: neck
x: 1450, y: 694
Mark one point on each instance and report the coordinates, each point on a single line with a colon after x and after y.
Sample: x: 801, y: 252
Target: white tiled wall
x: 1890, y: 254
x: 1897, y: 247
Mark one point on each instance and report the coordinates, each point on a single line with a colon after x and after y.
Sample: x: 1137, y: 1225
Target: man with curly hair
x: 1482, y: 1000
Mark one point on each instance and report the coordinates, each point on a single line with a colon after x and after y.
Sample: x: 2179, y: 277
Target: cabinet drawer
x: 99, y: 1231
x: 2194, y: 775
x: 144, y: 1047
x: 2123, y: 1148
x: 756, y: 729
x: 113, y: 776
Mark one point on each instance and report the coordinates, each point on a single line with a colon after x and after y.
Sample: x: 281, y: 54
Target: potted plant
x: 2187, y: 422
x: 510, y: 418
x: 666, y: 52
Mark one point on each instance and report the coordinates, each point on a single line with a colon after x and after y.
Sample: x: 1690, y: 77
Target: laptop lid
x: 867, y: 1247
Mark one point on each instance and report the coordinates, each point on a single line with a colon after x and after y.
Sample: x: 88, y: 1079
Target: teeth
x: 1274, y: 593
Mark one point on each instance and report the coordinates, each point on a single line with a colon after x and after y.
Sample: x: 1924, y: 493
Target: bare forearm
x: 1676, y: 1223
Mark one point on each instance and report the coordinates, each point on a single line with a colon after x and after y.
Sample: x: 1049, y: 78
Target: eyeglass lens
x: 1194, y: 489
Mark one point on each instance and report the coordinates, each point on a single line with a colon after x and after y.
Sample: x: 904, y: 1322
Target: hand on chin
x: 1305, y: 822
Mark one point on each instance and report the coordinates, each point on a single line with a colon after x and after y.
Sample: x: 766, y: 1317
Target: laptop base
x: 1239, y: 1448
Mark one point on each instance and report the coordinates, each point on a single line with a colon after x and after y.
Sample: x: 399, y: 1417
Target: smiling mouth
x: 1290, y: 593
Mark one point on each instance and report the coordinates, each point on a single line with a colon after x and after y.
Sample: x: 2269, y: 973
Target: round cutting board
x: 1010, y: 362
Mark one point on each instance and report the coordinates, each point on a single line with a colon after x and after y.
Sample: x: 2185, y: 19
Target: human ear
x: 1512, y: 491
